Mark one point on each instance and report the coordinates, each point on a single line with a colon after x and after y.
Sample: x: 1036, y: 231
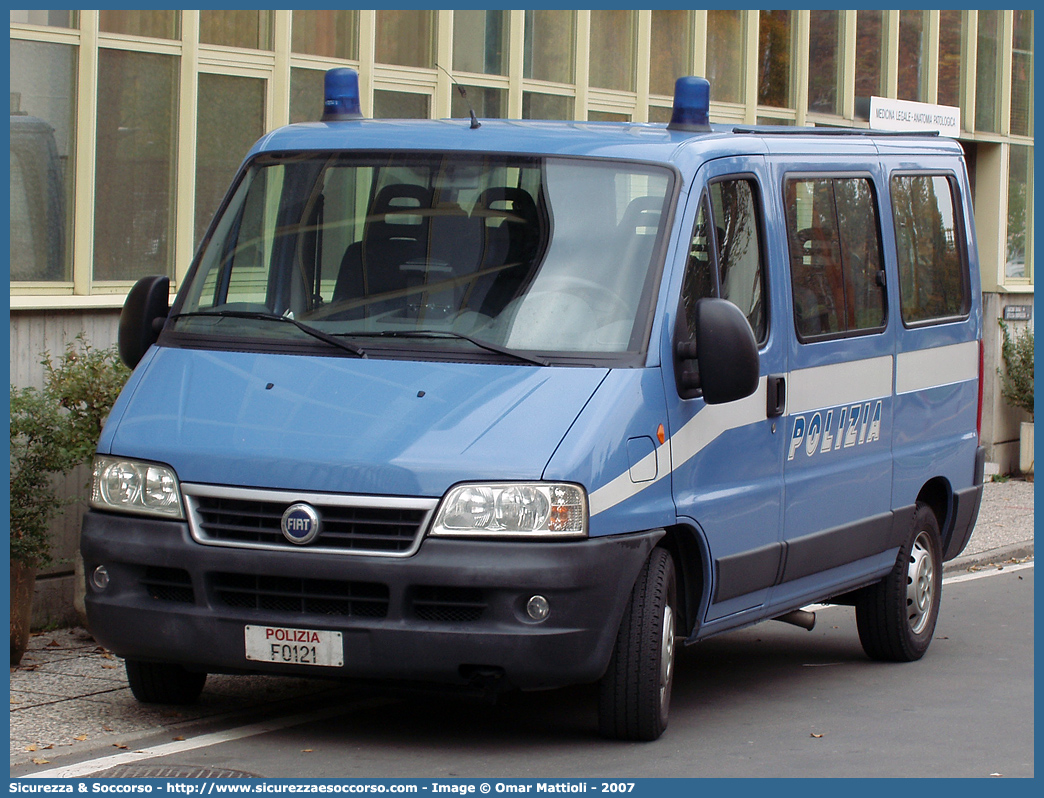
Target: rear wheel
x: 897, y: 616
x: 163, y: 683
x: 635, y: 693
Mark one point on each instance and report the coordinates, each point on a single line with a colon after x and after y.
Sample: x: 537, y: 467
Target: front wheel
x: 635, y: 693
x: 896, y: 617
x: 163, y: 683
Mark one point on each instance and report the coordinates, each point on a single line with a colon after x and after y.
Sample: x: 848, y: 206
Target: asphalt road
x: 771, y: 700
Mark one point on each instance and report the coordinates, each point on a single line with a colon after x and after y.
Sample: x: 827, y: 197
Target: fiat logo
x: 300, y: 524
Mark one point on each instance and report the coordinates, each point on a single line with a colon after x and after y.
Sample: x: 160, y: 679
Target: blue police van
x: 525, y: 404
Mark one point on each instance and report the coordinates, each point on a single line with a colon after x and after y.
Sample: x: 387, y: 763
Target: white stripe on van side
x: 932, y: 368
x: 699, y: 431
x: 839, y: 384
x: 808, y: 389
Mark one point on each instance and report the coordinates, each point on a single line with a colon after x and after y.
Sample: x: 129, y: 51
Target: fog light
x: 100, y: 577
x: 537, y: 608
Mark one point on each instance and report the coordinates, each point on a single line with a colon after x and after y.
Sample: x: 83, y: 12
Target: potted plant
x: 1017, y: 386
x: 53, y: 430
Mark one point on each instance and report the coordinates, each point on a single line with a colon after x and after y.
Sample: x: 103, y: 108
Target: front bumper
x: 452, y: 612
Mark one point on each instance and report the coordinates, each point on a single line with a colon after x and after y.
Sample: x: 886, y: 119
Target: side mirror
x: 722, y: 364
x: 142, y: 318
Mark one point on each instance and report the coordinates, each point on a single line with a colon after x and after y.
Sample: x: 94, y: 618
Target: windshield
x: 434, y: 252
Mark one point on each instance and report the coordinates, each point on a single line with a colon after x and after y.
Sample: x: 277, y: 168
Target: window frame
x: 856, y: 174
x: 714, y: 250
x: 961, y: 233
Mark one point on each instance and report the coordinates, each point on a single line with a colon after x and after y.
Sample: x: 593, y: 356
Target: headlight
x: 520, y: 509
x: 132, y: 486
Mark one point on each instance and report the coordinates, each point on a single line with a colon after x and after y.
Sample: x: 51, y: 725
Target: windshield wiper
x: 500, y: 350
x: 306, y: 329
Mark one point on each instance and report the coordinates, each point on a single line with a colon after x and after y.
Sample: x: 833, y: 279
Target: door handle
x: 777, y: 395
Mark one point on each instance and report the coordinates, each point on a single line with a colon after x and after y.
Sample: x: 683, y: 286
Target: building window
x: 869, y: 46
x: 400, y: 105
x: 406, y: 38
x: 486, y: 102
x: 546, y: 106
x: 231, y: 117
x: 931, y: 269
x: 135, y: 163
x: 913, y: 61
x: 156, y: 24
x: 671, y: 54
x: 307, y: 89
x: 248, y: 29
x: 951, y: 39
x: 43, y: 120
x: 613, y: 48
x: 1018, y: 259
x: 987, y: 68
x: 480, y: 42
x: 775, y: 50
x: 327, y: 33
x: 52, y: 19
x: 835, y: 257
x: 1022, y: 75
x: 726, y: 55
x: 825, y: 46
x: 549, y: 46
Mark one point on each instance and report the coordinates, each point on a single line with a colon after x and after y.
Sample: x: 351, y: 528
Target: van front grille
x: 349, y: 525
x: 301, y: 596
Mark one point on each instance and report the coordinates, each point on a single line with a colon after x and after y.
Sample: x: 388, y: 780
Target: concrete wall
x: 1000, y: 421
x: 33, y: 333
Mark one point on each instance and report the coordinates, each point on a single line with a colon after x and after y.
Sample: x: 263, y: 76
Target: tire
x: 635, y: 692
x: 896, y: 617
x: 163, y: 683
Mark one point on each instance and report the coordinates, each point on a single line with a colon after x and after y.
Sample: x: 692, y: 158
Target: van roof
x: 620, y: 140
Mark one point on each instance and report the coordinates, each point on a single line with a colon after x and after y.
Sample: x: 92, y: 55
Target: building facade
x: 127, y: 126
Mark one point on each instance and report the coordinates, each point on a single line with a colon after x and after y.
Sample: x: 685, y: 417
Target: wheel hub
x: 666, y: 654
x: 920, y: 584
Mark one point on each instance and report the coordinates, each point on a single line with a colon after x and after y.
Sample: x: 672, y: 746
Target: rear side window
x: 835, y: 256
x: 932, y: 275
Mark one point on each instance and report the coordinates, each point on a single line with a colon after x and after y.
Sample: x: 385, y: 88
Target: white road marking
x: 88, y: 767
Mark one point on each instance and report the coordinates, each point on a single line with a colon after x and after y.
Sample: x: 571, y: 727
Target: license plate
x: 294, y: 646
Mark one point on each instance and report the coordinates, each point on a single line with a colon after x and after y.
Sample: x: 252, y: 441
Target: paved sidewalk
x: 70, y: 695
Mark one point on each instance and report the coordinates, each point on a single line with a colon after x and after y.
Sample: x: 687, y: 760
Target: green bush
x: 1017, y: 376
x: 52, y: 431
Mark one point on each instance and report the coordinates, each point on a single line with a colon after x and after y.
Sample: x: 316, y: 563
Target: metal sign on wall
x: 888, y: 114
x: 1018, y: 312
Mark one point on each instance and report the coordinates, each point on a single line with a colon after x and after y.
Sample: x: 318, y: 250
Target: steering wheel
x: 606, y: 304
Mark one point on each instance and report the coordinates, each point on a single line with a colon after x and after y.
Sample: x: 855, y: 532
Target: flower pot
x: 23, y: 583
x: 1026, y: 448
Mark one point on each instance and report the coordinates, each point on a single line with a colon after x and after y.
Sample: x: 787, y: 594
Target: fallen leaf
x: 817, y: 736
x: 48, y: 747
x: 178, y: 739
x: 30, y: 748
x: 107, y: 655
x: 110, y: 667
x: 121, y: 746
x: 306, y: 750
x: 40, y: 761
x: 80, y: 737
x: 106, y: 728
x: 53, y: 644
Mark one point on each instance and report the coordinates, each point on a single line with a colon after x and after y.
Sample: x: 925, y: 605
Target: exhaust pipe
x: 802, y: 618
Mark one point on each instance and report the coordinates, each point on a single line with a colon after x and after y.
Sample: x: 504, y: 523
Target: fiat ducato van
x: 516, y: 405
